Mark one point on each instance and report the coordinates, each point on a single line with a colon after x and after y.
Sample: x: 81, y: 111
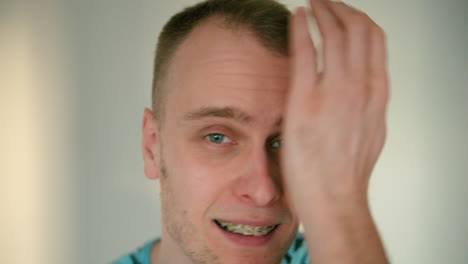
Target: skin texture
x: 238, y: 179
x: 334, y: 131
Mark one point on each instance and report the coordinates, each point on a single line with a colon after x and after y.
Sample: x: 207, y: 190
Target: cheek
x: 198, y: 179
x: 213, y: 160
x: 205, y: 165
x: 201, y: 173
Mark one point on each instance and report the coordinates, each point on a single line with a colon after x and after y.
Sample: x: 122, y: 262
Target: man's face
x: 219, y: 147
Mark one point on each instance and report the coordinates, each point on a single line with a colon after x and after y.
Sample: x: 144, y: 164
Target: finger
x: 356, y: 25
x: 303, y: 53
x: 332, y: 35
x: 378, y: 52
x: 377, y: 69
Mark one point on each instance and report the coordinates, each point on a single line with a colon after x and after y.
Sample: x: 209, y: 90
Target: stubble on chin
x: 185, y: 234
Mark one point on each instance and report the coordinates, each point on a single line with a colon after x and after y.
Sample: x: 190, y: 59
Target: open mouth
x: 245, y: 230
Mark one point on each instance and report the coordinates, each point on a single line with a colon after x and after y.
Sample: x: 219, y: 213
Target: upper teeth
x: 246, y: 229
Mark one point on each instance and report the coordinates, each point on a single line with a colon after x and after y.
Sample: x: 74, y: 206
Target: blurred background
x: 76, y: 75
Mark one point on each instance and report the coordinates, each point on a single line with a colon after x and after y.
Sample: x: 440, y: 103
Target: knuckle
x: 355, y: 95
x: 341, y: 4
x: 385, y: 95
x: 358, y: 19
x: 360, y: 91
x: 333, y: 34
x: 382, y: 87
x: 378, y: 32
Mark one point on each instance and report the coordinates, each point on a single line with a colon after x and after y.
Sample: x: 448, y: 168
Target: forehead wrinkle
x: 228, y: 112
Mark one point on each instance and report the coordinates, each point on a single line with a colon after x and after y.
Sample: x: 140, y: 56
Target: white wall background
x: 76, y: 75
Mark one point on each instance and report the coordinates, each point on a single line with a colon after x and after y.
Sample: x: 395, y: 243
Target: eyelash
x: 217, y: 133
x: 276, y: 140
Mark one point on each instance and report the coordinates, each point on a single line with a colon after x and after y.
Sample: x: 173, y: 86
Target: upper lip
x: 249, y: 222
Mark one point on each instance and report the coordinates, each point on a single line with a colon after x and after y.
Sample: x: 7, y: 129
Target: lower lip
x: 247, y: 241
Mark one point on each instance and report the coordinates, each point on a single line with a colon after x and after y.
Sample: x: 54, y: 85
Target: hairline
x: 223, y: 22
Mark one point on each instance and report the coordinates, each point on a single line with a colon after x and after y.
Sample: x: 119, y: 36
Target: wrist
x: 341, y: 229
x: 321, y: 205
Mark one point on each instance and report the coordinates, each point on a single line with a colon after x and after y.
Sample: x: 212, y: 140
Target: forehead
x: 220, y: 67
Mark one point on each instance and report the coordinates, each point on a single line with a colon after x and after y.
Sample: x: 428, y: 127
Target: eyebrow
x: 224, y: 112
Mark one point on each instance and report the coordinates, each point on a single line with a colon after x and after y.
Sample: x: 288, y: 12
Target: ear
x: 149, y: 145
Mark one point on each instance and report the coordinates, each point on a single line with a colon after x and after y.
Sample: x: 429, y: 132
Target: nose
x: 259, y: 183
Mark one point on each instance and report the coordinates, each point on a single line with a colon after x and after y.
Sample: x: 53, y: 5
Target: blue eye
x: 277, y: 143
x: 218, y: 138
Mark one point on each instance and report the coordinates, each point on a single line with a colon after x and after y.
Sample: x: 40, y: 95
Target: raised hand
x: 335, y: 126
x: 334, y: 131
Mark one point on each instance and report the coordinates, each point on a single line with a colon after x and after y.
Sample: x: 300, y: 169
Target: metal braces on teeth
x: 245, y: 229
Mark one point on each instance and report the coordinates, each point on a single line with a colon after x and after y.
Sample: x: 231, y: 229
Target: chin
x: 251, y: 259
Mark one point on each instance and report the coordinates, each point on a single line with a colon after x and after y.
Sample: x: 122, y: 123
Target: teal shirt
x: 297, y: 253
